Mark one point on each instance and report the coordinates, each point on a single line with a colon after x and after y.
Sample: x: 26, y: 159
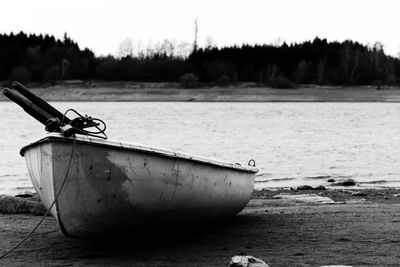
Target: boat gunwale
x: 141, y: 148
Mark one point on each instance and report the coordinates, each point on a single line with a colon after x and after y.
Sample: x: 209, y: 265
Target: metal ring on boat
x: 252, y: 163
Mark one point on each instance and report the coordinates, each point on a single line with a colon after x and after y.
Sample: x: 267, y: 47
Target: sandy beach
x: 242, y: 92
x: 359, y: 229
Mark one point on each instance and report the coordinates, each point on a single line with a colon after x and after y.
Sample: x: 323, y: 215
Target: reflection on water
x: 292, y: 143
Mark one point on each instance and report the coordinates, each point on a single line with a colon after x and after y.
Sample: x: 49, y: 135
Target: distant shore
x: 281, y: 227
x: 242, y: 92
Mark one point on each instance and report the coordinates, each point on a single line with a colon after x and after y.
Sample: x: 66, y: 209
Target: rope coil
x: 80, y: 123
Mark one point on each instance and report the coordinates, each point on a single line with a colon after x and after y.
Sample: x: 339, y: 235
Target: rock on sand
x: 246, y: 261
x: 13, y: 205
x: 310, y: 198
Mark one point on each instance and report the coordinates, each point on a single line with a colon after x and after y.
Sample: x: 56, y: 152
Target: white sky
x: 102, y: 24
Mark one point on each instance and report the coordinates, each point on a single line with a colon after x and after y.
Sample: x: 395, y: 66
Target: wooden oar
x: 36, y: 112
x: 40, y: 102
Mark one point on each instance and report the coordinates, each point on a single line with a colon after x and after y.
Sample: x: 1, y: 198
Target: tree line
x: 43, y: 58
x: 316, y: 62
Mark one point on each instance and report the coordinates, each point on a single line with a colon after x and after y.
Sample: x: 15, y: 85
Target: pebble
x: 349, y: 182
x: 307, y: 187
x: 25, y: 195
x: 321, y: 187
x: 247, y: 261
x: 358, y: 194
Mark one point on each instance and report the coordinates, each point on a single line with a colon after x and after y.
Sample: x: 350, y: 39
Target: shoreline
x: 359, y: 228
x: 242, y: 92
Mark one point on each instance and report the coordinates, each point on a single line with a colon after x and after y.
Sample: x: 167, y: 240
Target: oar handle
x: 36, y: 112
x: 40, y: 102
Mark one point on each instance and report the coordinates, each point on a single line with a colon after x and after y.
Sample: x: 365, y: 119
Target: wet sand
x: 361, y: 229
x: 242, y: 92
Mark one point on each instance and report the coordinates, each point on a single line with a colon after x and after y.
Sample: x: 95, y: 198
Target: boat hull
x: 112, y: 188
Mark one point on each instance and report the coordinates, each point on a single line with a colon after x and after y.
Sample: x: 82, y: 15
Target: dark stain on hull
x: 99, y: 182
x: 145, y: 165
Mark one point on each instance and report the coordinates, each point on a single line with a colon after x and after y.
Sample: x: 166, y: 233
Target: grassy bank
x: 245, y: 92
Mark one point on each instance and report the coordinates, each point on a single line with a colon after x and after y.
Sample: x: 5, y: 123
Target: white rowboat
x: 113, y: 186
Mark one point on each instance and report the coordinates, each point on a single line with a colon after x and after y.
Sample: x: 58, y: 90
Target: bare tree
x: 167, y: 48
x: 277, y: 42
x: 398, y: 53
x: 141, y: 53
x: 183, y: 49
x: 196, y: 33
x: 150, y: 50
x: 125, y: 48
x: 209, y: 43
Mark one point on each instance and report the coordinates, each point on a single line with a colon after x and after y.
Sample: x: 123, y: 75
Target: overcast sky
x: 102, y: 24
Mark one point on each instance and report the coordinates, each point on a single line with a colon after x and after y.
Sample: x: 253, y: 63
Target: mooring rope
x: 49, y: 209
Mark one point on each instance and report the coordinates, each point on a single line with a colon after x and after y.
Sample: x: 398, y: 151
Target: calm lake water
x: 292, y: 143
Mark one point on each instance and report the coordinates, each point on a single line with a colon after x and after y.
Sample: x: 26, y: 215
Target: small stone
x: 246, y: 261
x: 358, y: 194
x: 305, y: 187
x: 396, y: 195
x: 298, y: 254
x: 349, y: 182
x: 331, y: 180
x: 321, y: 187
x: 25, y: 195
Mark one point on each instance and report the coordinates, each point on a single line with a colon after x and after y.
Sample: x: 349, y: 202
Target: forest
x: 43, y: 58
